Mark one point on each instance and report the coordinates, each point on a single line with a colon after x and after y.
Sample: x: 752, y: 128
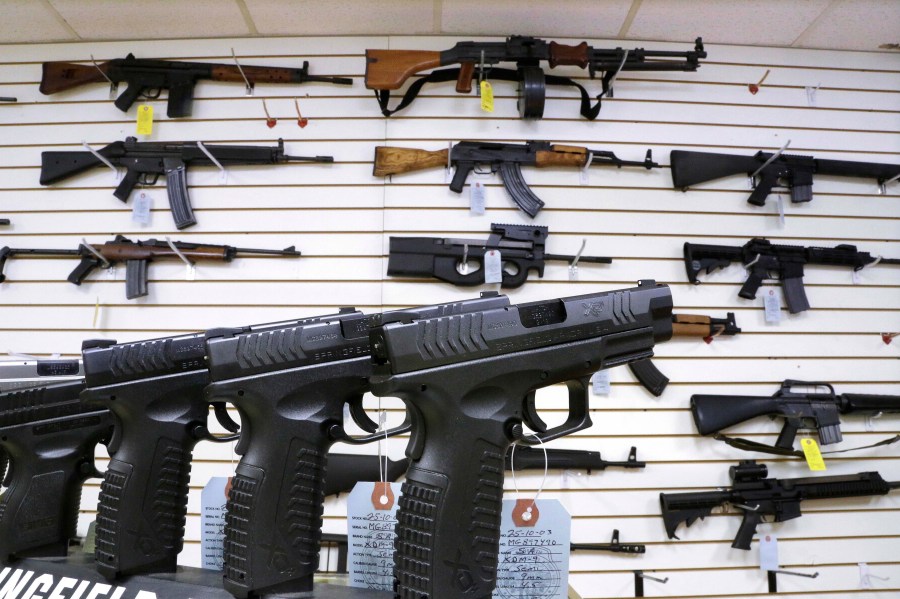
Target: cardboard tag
x: 854, y: 276
x: 779, y: 203
x: 768, y: 552
x: 477, y: 198
x: 190, y: 272
x: 814, y: 458
x: 140, y: 211
x: 584, y: 175
x: 487, y: 97
x: 212, y: 522
x: 772, y: 305
x: 370, y: 535
x: 145, y: 119
x: 493, y: 267
x: 600, y: 383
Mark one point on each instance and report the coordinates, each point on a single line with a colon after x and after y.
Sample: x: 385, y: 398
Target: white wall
x: 340, y: 217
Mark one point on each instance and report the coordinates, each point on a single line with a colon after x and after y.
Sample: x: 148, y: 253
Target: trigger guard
x: 221, y: 412
x: 360, y: 417
x: 151, y: 93
x: 579, y: 414
x: 115, y: 439
x: 532, y: 419
x: 339, y: 434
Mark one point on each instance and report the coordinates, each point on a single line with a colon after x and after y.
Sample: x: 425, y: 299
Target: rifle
x: 521, y: 250
x: 507, y: 159
x: 766, y: 260
x: 387, y: 70
x: 50, y: 439
x: 147, y: 77
x: 820, y: 411
x: 146, y: 161
x: 793, y: 171
x: 23, y: 374
x: 467, y: 381
x: 614, y: 546
x: 4, y: 221
x: 683, y: 325
x: 757, y: 496
x: 137, y: 256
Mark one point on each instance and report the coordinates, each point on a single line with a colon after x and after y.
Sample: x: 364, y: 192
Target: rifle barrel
x: 308, y: 158
x: 289, y: 251
x: 335, y: 80
x: 589, y: 259
x: 39, y: 252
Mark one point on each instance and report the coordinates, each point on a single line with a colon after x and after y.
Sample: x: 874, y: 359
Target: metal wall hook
x: 241, y: 70
x: 103, y: 261
x: 639, y: 577
x: 771, y: 159
x: 612, y: 80
x: 773, y: 577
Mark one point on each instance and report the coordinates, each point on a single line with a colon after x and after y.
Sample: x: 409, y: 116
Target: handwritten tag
x: 477, y: 198
x: 140, y: 211
x: 772, y: 305
x: 768, y: 552
x: 212, y: 522
x: 534, y: 555
x: 600, y: 383
x: 493, y: 267
x: 145, y: 119
x: 370, y: 535
x: 814, y: 458
x: 487, y: 97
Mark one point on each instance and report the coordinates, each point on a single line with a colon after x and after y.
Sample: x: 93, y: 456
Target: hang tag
x: 870, y: 421
x: 779, y: 203
x: 584, y: 175
x: 854, y: 277
x: 477, y: 199
x: 212, y: 522
x: 573, y: 272
x: 768, y: 552
x: 772, y: 305
x: 814, y: 458
x: 140, y: 211
x: 487, y: 96
x: 811, y: 93
x: 600, y: 383
x: 145, y: 119
x: 112, y: 272
x: 493, y: 267
x: 370, y: 536
x: 190, y: 272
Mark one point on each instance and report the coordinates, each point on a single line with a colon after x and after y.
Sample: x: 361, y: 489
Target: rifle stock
x: 393, y: 161
x: 63, y: 76
x: 389, y: 69
x: 56, y: 166
x: 690, y: 168
x: 713, y: 413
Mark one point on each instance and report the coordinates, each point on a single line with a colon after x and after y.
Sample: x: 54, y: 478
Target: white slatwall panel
x: 340, y: 218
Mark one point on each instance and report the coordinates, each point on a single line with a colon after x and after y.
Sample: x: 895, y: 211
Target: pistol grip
x: 129, y: 96
x: 464, y: 81
x: 747, y: 529
x: 459, y: 177
x: 751, y: 285
x: 127, y: 184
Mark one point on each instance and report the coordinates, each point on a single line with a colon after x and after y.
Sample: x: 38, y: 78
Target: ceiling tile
x: 30, y: 21
x: 341, y: 17
x: 576, y: 18
x: 855, y: 25
x: 149, y: 19
x: 760, y: 22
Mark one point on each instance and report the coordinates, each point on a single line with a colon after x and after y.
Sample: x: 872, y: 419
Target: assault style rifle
x: 766, y: 260
x: 757, y: 496
x: 683, y: 325
x: 467, y: 381
x: 137, y: 256
x: 799, y: 409
x: 793, y: 171
x: 388, y: 70
x: 147, y: 77
x: 462, y: 261
x: 146, y: 161
x: 507, y: 159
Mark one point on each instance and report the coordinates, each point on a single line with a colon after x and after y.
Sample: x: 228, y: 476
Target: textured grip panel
x: 415, y: 533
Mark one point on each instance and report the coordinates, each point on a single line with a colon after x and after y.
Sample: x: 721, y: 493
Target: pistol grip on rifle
x: 127, y: 184
x: 762, y: 189
x: 466, y: 73
x: 747, y: 530
x: 649, y: 376
x: 84, y: 268
x: 459, y: 177
x: 752, y: 284
x: 176, y: 188
x: 129, y: 96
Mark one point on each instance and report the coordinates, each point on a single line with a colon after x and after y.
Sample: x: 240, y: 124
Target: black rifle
x: 8, y: 99
x: 50, y: 439
x: 137, y: 256
x: 614, y: 546
x: 147, y: 77
x: 145, y: 162
x: 811, y: 410
x: 387, y: 70
x: 683, y: 325
x: 467, y: 382
x: 461, y: 261
x: 507, y: 159
x: 795, y: 172
x: 766, y: 260
x: 757, y: 496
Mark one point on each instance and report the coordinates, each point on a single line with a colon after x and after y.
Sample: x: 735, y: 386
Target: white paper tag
x: 768, y: 552
x: 854, y: 277
x: 534, y: 560
x: 573, y: 272
x: 600, y: 383
x: 811, y: 93
x: 370, y: 539
x: 111, y: 272
x: 493, y: 267
x: 212, y: 522
x: 140, y: 210
x: 477, y: 196
x: 223, y: 176
x: 772, y: 304
x: 779, y: 203
x: 190, y: 272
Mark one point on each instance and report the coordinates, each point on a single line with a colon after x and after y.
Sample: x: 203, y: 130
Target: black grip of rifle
x: 127, y: 184
x: 460, y: 175
x: 856, y: 402
x: 713, y: 413
x: 649, y: 376
x: 143, y: 501
x: 136, y: 278
x: 747, y: 530
x: 763, y: 189
x: 751, y: 285
x: 179, y: 200
x: 129, y: 96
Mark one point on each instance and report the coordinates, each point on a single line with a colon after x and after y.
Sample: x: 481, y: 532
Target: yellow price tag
x: 814, y: 458
x: 487, y: 97
x: 145, y: 119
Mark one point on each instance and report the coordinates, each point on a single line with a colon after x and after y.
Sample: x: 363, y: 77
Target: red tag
x: 753, y: 88
x: 708, y: 339
x: 382, y: 496
x: 525, y: 513
x: 303, y: 122
x: 270, y: 122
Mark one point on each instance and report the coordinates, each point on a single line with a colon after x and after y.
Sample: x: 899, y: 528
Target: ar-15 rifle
x: 462, y: 261
x: 137, y: 256
x: 387, y: 70
x: 507, y: 159
x: 683, y: 325
x: 467, y: 381
x: 757, y: 496
x: 820, y: 411
x: 690, y: 168
x: 149, y: 77
x: 766, y: 260
x: 145, y: 162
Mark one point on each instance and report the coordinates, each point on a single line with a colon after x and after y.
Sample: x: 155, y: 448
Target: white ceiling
x: 830, y: 24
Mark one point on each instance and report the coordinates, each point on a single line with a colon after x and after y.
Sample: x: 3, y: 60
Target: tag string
x: 512, y: 455
x: 104, y: 263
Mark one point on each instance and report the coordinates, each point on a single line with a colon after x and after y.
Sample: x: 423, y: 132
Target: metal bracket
x: 639, y: 577
x: 612, y: 80
x: 241, y: 70
x: 773, y: 577
x: 222, y: 171
x: 771, y: 159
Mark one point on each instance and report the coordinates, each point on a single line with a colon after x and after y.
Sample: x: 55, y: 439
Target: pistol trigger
x: 532, y: 418
x: 360, y: 417
x: 224, y: 418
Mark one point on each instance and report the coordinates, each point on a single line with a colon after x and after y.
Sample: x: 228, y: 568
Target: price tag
x: 370, y: 535
x: 811, y: 93
x: 768, y: 552
x: 212, y: 521
x: 772, y: 305
x: 584, y: 175
x: 600, y: 383
x: 477, y: 198
x: 487, y: 97
x: 493, y: 267
x: 145, y: 119
x: 779, y: 202
x: 534, y: 552
x: 814, y: 458
x: 140, y: 211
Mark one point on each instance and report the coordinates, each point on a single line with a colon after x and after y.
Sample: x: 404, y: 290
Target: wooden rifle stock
x: 389, y: 69
x: 393, y: 161
x: 117, y: 252
x: 63, y: 76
